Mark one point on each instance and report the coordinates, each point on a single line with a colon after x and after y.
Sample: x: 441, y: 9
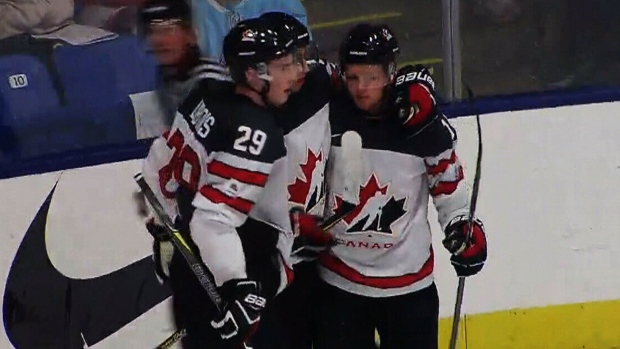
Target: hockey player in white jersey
x: 380, y: 273
x: 221, y: 171
x: 305, y: 121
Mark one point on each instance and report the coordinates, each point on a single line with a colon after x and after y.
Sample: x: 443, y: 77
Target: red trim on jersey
x: 214, y: 195
x: 290, y: 275
x: 223, y: 170
x: 442, y: 165
x: 447, y: 188
x: 337, y: 266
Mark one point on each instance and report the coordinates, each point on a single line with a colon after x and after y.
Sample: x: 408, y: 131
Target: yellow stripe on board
x: 569, y: 326
x: 425, y: 61
x: 367, y: 18
x: 594, y: 325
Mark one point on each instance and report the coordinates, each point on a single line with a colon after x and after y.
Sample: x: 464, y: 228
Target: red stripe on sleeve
x: 441, y: 166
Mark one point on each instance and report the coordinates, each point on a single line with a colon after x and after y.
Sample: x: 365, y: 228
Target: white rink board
x: 549, y: 199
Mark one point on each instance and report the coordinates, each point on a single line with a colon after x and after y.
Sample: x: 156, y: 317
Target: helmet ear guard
x: 391, y: 70
x: 263, y: 71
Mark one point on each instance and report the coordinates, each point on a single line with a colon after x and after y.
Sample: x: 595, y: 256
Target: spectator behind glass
x: 33, y: 16
x: 214, y: 18
x: 117, y: 16
x: 167, y: 27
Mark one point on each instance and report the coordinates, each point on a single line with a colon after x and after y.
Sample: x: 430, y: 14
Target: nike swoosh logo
x: 45, y: 309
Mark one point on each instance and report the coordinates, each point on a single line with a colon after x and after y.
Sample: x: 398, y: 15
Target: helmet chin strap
x: 263, y: 74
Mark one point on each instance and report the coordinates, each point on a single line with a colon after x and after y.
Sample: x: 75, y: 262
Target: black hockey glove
x: 239, y: 320
x: 468, y: 257
x: 310, y: 238
x: 415, y: 102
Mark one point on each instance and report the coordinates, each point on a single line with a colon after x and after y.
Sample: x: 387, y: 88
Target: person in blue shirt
x: 214, y: 18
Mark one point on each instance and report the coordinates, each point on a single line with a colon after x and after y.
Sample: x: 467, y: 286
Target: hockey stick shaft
x: 172, y: 339
x: 206, y: 279
x: 460, y: 291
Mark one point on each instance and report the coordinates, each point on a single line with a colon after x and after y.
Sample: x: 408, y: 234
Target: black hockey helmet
x: 370, y: 44
x: 161, y: 11
x: 290, y: 25
x: 253, y: 43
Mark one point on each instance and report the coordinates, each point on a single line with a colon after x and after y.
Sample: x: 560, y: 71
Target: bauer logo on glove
x: 239, y: 320
x: 415, y: 74
x: 415, y: 101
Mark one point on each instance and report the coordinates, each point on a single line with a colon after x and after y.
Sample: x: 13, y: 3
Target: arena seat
x: 96, y: 81
x: 26, y: 91
x: 106, y: 72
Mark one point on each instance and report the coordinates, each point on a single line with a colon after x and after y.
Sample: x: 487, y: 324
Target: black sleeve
x: 434, y: 139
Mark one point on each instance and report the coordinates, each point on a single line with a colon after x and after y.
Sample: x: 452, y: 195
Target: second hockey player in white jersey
x: 380, y: 273
x: 305, y: 122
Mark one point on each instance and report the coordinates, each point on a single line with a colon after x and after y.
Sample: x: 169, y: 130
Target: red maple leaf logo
x: 367, y: 192
x: 298, y: 191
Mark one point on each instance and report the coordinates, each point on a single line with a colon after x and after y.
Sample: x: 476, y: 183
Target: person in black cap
x: 167, y: 27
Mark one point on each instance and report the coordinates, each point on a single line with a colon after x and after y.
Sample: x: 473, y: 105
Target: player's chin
x: 281, y: 97
x: 364, y: 103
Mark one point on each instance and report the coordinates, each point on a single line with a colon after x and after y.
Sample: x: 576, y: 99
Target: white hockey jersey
x: 305, y: 122
x: 229, y: 155
x: 384, y: 247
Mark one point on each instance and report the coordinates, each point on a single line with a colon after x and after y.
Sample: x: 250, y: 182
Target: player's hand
x: 310, y: 238
x: 163, y: 250
x: 240, y: 319
x: 468, y: 256
x: 415, y: 102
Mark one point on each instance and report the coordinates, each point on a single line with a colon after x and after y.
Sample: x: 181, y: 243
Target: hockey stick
x: 206, y: 279
x: 172, y: 340
x: 472, y: 210
x: 351, y: 144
